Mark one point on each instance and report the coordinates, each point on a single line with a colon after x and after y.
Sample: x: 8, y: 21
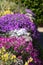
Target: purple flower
x: 30, y: 12
x: 17, y: 21
x: 1, y: 45
x: 29, y: 47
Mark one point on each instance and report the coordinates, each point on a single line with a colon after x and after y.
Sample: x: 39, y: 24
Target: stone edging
x: 40, y: 29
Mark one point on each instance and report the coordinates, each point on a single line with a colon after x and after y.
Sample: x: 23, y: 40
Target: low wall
x: 40, y: 29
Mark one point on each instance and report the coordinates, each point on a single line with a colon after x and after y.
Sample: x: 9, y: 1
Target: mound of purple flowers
x: 22, y: 31
x: 17, y: 21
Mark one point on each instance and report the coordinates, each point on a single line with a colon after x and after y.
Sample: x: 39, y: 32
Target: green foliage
x: 13, y: 5
x: 37, y: 7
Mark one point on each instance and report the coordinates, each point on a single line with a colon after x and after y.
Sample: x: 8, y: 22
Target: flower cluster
x: 21, y: 46
x: 30, y: 14
x: 29, y: 61
x: 17, y: 33
x: 17, y: 21
x: 19, y: 43
x: 7, y: 58
x: 5, y: 12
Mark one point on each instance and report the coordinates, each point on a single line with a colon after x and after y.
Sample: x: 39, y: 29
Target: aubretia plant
x: 30, y: 14
x: 17, y: 21
x: 19, y: 43
x: 22, y: 47
x: 8, y: 58
x: 17, y: 33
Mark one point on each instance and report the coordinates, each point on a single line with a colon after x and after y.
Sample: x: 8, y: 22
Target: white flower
x: 21, y: 32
